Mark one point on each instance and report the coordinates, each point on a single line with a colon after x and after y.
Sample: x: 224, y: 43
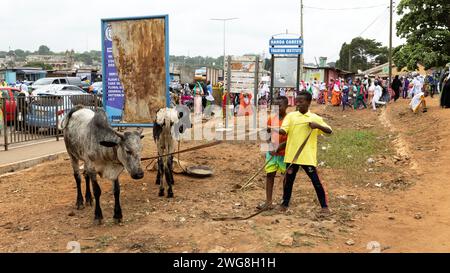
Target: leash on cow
x: 207, y: 145
x: 297, y: 154
x: 178, y: 161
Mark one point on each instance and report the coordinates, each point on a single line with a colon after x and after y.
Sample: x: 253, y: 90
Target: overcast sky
x: 75, y: 25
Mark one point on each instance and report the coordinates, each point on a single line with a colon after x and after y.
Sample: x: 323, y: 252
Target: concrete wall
x: 187, y: 74
x: 10, y: 76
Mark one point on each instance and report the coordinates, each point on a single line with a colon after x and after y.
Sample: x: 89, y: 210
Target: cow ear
x: 108, y: 143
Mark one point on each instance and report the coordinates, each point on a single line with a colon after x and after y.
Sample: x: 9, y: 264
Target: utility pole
x: 390, y: 45
x: 349, y: 58
x: 224, y: 20
x: 301, y: 34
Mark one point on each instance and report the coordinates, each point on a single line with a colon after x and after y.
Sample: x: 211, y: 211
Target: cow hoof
x: 117, y: 220
x: 97, y: 222
x: 170, y: 195
x: 80, y: 206
x: 161, y: 193
x: 88, y: 202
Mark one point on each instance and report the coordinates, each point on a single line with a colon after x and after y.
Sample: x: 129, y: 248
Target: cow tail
x: 67, y: 117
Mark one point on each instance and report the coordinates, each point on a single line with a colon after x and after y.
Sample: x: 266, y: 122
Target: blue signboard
x: 113, y: 89
x: 286, y: 42
x: 286, y: 50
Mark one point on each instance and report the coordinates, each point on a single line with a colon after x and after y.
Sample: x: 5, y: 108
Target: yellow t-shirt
x: 296, y: 125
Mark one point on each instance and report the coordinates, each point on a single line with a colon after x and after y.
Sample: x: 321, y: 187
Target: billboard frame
x: 105, y: 21
x: 284, y: 56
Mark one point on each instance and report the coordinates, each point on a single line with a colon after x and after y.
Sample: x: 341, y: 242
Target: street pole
x: 224, y: 20
x: 224, y: 44
x: 349, y: 58
x: 390, y: 46
x: 301, y: 34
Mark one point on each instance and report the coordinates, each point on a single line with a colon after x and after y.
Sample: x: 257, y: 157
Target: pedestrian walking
x: 359, y: 95
x: 396, y: 85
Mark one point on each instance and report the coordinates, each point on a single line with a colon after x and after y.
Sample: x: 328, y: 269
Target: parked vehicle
x: 96, y: 88
x: 56, y: 88
x: 59, y: 80
x: 49, y: 106
x: 9, y: 95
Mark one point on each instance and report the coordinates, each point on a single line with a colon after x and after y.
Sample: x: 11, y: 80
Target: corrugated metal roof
x: 27, y: 71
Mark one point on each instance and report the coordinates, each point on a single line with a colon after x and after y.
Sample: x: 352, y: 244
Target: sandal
x: 324, y: 213
x: 281, y: 208
x: 264, y: 206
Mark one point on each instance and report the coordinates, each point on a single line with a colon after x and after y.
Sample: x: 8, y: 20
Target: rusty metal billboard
x: 135, y: 69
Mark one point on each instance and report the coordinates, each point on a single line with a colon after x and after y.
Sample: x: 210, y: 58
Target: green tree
x: 44, y: 50
x: 268, y: 64
x: 84, y: 57
x: 425, y: 25
x: 198, y: 61
x: 364, y: 53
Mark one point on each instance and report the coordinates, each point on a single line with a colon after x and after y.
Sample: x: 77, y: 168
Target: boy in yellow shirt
x: 302, y: 128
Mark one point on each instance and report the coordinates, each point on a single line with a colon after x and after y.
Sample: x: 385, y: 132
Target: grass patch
x: 349, y: 149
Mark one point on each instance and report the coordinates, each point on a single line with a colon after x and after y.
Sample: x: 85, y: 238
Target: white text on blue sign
x: 283, y: 42
x: 286, y: 50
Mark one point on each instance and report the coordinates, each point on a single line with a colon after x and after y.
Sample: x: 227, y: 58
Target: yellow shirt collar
x: 307, y: 114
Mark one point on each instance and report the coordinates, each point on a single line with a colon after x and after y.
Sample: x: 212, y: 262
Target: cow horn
x: 119, y: 135
x: 140, y: 130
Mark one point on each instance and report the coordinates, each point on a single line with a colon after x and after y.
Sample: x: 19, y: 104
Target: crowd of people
x: 351, y: 93
x: 196, y: 96
x: 294, y: 135
x: 366, y: 92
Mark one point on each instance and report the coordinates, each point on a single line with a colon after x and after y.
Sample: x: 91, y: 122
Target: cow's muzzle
x: 138, y: 175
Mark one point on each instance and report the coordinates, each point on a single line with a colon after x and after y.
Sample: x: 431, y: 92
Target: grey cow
x: 89, y: 138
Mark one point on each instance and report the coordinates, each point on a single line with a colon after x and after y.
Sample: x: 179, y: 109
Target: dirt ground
x: 398, y: 204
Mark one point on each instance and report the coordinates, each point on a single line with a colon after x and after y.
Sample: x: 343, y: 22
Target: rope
x: 179, y: 162
x: 186, y: 150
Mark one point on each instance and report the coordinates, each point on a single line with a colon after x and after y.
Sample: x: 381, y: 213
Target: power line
x: 354, y: 8
x: 373, y: 22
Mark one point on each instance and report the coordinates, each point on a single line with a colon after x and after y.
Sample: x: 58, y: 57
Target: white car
x: 56, y: 100
x: 58, y: 89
